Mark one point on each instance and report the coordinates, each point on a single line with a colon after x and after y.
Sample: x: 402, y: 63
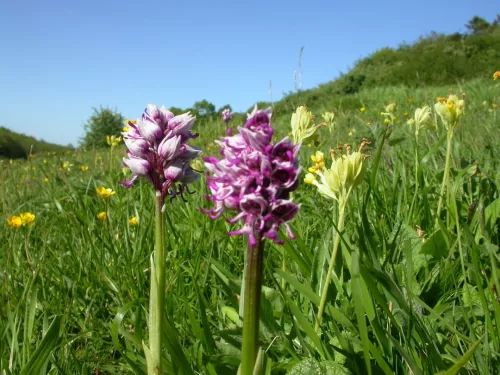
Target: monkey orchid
x: 158, y: 151
x: 254, y: 178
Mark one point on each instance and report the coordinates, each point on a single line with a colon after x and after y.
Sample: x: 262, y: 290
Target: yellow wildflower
x: 104, y: 193
x: 103, y: 216
x: 309, y: 179
x: 496, y: 75
x: 368, y: 123
x: 14, y: 222
x: 319, y: 161
x: 125, y: 129
x: 84, y: 168
x: 494, y: 106
x: 66, y: 165
x: 27, y: 218
x: 113, y: 141
x: 405, y: 114
x: 45, y: 180
x: 387, y: 121
x: 132, y: 221
x: 362, y: 109
x: 318, y: 158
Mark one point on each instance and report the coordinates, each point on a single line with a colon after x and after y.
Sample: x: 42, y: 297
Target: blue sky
x: 61, y: 58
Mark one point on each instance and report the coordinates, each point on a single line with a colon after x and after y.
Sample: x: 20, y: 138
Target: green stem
x: 110, y: 158
x: 283, y: 268
x: 157, y: 303
x: 445, y: 176
x: 324, y: 293
x: 253, y: 288
x: 416, y: 177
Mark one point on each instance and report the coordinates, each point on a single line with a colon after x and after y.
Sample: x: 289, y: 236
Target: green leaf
x: 44, y: 349
x: 359, y: 304
x: 301, y: 288
x: 453, y: 370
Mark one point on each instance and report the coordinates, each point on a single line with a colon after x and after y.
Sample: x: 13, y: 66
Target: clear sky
x: 60, y: 58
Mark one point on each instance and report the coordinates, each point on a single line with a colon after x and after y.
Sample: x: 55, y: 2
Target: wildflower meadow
x: 357, y: 236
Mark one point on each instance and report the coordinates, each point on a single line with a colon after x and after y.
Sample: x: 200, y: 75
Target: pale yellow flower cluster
x: 450, y: 110
x: 303, y: 125
x: 345, y: 173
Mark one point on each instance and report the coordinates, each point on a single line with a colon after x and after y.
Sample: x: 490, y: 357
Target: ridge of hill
x: 433, y: 60
x: 18, y: 145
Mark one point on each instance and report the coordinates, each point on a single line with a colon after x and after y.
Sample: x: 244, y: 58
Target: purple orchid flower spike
x: 255, y: 178
x: 158, y: 150
x: 227, y: 115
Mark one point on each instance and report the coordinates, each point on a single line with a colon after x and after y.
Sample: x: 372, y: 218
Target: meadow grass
x: 74, y: 291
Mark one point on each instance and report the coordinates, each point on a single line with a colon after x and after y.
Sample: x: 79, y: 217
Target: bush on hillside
x: 103, y: 122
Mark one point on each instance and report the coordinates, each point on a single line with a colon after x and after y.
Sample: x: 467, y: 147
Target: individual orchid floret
x: 303, y: 125
x: 346, y: 172
x: 255, y: 177
x: 158, y: 150
x: 226, y: 115
x: 450, y: 110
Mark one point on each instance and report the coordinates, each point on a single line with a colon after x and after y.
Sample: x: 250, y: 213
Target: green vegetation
x: 15, y: 145
x: 427, y: 298
x: 411, y: 292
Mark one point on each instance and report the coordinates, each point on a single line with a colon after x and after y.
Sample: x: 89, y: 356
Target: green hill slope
x: 435, y: 60
x: 17, y: 145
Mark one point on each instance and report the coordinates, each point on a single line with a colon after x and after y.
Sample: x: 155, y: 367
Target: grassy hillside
x: 17, y: 145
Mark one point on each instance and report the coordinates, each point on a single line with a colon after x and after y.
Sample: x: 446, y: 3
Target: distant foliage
x: 16, y: 145
x: 204, y: 108
x: 103, y: 122
x: 352, y: 83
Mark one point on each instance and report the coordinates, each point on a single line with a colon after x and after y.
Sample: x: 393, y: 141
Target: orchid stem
x: 253, y: 288
x: 340, y: 229
x: 157, y: 295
